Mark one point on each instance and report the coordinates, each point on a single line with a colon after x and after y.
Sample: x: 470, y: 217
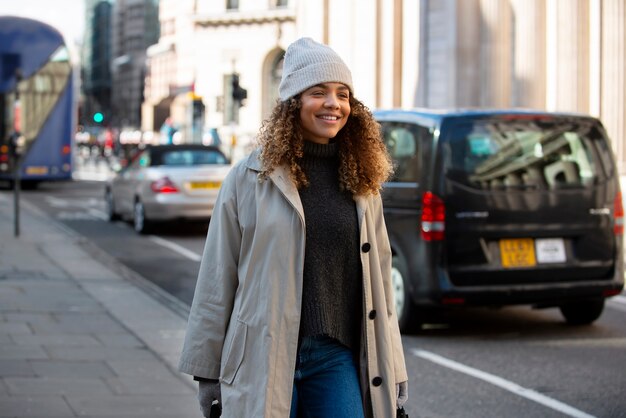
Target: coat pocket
x: 234, y: 354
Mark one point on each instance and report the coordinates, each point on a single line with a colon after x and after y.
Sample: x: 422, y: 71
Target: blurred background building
x: 135, y: 28
x: 216, y: 65
x: 96, y: 61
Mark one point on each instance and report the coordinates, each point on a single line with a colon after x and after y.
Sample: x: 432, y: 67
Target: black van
x: 493, y: 208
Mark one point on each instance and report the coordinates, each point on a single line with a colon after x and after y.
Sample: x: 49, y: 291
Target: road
x: 512, y: 362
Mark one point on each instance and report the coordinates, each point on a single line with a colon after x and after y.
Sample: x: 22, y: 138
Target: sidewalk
x: 81, y: 336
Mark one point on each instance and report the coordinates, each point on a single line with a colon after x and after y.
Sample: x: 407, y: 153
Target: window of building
x: 232, y: 4
x: 280, y: 3
x: 273, y: 70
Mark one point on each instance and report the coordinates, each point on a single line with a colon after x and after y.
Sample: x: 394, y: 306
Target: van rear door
x: 529, y: 199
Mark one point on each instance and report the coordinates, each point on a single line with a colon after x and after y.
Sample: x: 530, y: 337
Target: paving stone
x: 99, y: 353
x: 29, y: 406
x: 55, y: 386
x: 169, y: 385
x: 70, y: 369
x: 86, y: 323
x: 10, y: 291
x: 20, y: 352
x: 57, y: 339
x: 128, y: 406
x: 143, y: 369
x: 42, y: 304
x: 12, y: 368
x: 29, y: 318
x: 165, y: 346
x: 119, y: 340
x: 12, y: 328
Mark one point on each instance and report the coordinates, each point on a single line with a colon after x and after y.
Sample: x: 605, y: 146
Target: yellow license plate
x: 205, y: 185
x: 517, y: 252
x: 36, y: 170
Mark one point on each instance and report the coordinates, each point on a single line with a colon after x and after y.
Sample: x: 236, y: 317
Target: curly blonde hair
x: 364, y: 164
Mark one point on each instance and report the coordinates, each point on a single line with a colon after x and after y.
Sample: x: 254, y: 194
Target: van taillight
x: 433, y: 217
x: 618, y: 215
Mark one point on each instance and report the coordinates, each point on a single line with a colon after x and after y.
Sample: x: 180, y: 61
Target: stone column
x: 568, y: 22
x: 495, y: 53
x: 613, y: 69
x: 529, y: 54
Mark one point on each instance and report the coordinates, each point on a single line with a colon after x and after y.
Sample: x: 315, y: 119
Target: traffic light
x: 98, y: 117
x: 197, y: 110
x: 239, y: 94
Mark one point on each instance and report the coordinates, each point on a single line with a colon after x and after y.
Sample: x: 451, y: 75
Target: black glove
x: 209, y: 391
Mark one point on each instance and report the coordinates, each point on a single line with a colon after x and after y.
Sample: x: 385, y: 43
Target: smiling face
x: 325, y: 110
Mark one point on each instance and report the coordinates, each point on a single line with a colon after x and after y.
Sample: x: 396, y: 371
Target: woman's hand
x: 208, y: 391
x: 402, y: 393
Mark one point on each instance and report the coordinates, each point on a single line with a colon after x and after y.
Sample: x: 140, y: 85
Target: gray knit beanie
x: 308, y: 63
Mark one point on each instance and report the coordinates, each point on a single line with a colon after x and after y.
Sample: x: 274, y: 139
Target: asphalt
x: 80, y: 335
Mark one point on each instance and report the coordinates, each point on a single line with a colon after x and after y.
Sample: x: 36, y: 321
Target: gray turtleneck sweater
x: 332, y: 295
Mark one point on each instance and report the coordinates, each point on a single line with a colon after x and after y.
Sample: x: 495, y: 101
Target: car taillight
x: 163, y: 185
x: 618, y: 215
x: 433, y: 217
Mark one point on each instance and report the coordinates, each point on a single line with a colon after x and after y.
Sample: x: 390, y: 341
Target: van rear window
x: 527, y: 154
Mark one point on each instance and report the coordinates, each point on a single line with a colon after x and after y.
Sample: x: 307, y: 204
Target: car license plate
x: 205, y: 185
x: 550, y: 250
x: 517, y: 252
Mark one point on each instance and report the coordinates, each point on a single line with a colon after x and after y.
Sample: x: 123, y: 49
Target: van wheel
x: 140, y: 223
x: 405, y: 309
x: 582, y: 312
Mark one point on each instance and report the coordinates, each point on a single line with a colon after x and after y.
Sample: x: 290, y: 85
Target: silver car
x: 167, y: 183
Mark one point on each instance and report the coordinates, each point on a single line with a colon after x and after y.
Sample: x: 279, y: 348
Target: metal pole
x: 16, y: 196
x: 16, y: 155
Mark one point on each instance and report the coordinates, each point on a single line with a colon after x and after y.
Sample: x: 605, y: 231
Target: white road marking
x: 74, y: 216
x: 98, y: 214
x: 503, y: 383
x: 177, y: 248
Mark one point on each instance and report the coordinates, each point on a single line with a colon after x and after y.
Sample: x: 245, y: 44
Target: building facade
x: 96, y: 61
x: 171, y: 73
x: 557, y: 55
x: 135, y: 28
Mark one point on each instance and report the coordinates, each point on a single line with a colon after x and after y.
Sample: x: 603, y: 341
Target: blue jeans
x: 325, y: 384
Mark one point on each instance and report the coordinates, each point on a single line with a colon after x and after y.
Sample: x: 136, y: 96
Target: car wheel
x: 140, y: 223
x: 112, y: 215
x: 405, y: 309
x: 582, y: 312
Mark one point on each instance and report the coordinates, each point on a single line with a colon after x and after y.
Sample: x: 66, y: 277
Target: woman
x: 293, y: 310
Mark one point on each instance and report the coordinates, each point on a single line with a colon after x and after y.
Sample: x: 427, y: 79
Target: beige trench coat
x: 244, y: 320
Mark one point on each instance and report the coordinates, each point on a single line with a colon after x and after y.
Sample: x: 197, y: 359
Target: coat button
x: 372, y: 314
x: 377, y: 381
x: 366, y: 247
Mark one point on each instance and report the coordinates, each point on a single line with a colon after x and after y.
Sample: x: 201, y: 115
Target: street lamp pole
x: 15, y: 144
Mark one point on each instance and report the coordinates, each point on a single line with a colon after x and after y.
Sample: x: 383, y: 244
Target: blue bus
x: 39, y: 102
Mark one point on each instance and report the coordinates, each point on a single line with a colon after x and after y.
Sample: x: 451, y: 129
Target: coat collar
x: 361, y: 208
x: 281, y: 178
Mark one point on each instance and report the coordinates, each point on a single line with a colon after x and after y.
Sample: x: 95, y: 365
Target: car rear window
x: 525, y: 153
x: 179, y: 158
